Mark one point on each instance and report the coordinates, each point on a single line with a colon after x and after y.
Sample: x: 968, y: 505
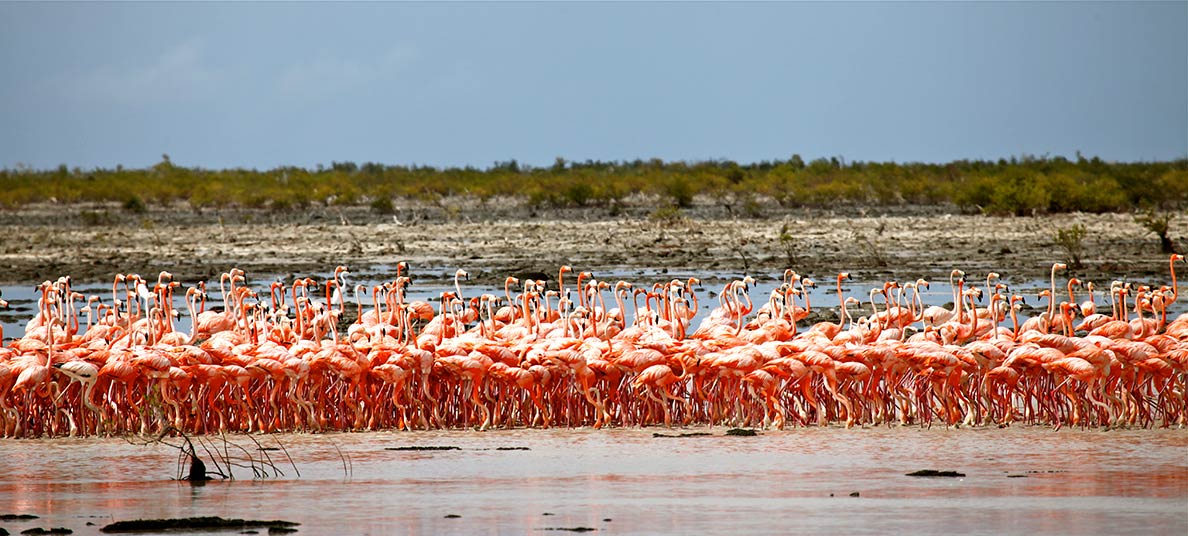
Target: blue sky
x: 261, y: 85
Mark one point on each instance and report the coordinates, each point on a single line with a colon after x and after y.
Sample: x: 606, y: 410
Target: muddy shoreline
x: 94, y: 242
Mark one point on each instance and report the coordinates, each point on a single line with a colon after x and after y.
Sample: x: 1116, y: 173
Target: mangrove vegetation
x: 1022, y: 186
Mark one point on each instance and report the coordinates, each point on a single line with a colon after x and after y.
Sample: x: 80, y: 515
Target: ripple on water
x: 1068, y: 481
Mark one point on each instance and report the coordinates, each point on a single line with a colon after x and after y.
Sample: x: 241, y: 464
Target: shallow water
x: 1030, y: 480
x: 24, y: 298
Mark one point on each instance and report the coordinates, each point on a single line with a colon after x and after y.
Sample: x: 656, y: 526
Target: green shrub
x: 788, y: 244
x: 257, y: 200
x: 976, y: 193
x: 281, y: 204
x: 1159, y: 224
x: 1015, y: 192
x: 579, y: 194
x: 752, y: 208
x: 539, y: 197
x: 383, y: 205
x: 91, y: 218
x: 669, y: 215
x: 135, y: 205
x: 1171, y: 189
x: 1071, y: 240
x: 680, y: 191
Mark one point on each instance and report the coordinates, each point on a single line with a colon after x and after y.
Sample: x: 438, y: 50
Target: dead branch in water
x: 224, y: 458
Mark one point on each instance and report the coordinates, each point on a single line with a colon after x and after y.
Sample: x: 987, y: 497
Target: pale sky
x: 261, y: 85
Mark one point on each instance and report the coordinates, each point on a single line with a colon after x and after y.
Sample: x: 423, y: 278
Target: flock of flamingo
x: 540, y: 358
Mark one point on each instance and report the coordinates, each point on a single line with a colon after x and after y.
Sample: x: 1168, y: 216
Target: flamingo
x: 278, y: 367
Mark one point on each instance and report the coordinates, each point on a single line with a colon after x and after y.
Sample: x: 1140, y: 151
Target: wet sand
x: 92, y: 243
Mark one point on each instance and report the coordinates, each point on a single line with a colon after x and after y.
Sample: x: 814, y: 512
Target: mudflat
x: 94, y: 242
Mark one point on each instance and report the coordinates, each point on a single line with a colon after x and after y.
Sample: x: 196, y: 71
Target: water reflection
x: 1070, y: 481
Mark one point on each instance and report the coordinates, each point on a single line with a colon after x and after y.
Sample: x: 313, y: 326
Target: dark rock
x: 690, y: 434
x: 40, y: 531
x: 855, y: 494
x: 934, y: 472
x: 572, y: 529
x: 197, y: 470
x: 191, y: 523
x: 418, y: 448
x: 17, y: 517
x: 281, y: 530
x: 452, y: 516
x: 746, y: 432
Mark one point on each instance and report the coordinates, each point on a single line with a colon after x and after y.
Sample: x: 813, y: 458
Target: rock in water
x: 197, y: 470
x: 934, y: 472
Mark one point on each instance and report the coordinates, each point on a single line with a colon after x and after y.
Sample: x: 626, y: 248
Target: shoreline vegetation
x: 1018, y: 186
x: 707, y: 218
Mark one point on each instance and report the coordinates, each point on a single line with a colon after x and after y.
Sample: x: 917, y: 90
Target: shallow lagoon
x: 1030, y: 480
